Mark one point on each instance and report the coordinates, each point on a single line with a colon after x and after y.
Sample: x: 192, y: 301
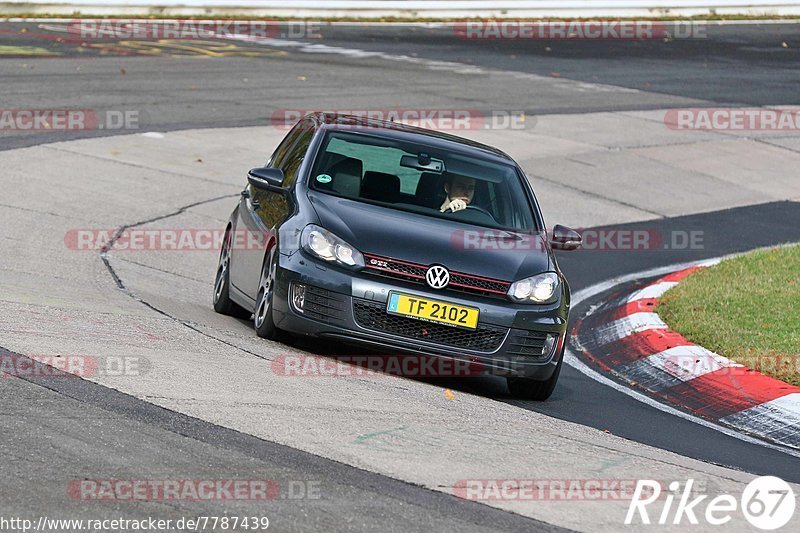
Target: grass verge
x: 746, y: 309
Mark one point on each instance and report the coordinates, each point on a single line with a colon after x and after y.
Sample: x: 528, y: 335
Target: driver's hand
x: 455, y: 205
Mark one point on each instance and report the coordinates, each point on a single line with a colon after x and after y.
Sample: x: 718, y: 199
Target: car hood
x: 427, y: 240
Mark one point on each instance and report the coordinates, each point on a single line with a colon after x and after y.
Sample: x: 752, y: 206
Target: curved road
x: 597, y: 150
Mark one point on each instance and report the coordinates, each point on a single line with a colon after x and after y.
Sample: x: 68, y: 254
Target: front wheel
x: 265, y: 326
x: 529, y: 389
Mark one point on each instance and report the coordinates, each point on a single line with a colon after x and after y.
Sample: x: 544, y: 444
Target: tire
x: 222, y: 300
x: 531, y: 389
x: 262, y: 316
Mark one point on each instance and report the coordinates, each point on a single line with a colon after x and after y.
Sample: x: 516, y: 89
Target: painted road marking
x: 656, y: 290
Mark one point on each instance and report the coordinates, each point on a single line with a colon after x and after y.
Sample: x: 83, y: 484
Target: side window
x: 293, y: 160
x: 279, y: 155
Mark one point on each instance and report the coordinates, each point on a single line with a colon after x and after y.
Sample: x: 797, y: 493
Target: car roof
x: 404, y: 132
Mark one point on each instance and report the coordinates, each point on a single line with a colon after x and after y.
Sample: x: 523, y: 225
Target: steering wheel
x: 476, y: 208
x: 482, y: 210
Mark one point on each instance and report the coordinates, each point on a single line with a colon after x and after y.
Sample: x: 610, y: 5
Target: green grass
x: 746, y: 309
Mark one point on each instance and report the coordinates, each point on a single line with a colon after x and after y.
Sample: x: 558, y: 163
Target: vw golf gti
x: 403, y: 240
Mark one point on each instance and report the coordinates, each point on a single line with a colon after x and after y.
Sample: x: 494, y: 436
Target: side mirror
x: 565, y: 238
x: 269, y: 179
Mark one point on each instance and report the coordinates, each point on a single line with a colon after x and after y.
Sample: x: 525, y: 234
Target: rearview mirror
x: 565, y: 238
x: 422, y: 162
x: 270, y: 179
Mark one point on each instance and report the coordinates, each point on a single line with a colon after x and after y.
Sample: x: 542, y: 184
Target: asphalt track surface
x: 735, y: 65
x: 179, y: 90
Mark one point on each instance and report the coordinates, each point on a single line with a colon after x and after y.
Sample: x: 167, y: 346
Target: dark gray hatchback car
x: 403, y: 240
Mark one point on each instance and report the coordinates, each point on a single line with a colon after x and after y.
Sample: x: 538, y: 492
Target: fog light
x: 549, y: 344
x: 298, y: 296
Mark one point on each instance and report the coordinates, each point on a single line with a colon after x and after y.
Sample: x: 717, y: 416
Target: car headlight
x: 539, y: 289
x: 323, y: 244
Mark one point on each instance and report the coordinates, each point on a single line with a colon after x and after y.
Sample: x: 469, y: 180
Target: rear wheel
x: 222, y: 301
x: 265, y: 326
x: 530, y: 389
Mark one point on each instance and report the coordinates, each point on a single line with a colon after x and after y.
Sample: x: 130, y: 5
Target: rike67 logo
x: 767, y: 503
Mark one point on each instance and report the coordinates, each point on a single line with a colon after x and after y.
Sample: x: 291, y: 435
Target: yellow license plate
x: 432, y: 310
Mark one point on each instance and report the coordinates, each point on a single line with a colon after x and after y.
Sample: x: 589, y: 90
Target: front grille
x: 322, y: 304
x: 373, y: 316
x: 415, y: 273
x: 527, y: 343
x: 465, y: 281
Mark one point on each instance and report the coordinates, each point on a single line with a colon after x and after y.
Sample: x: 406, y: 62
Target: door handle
x: 254, y: 204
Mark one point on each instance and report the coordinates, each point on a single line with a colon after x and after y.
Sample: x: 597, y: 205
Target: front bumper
x: 350, y: 307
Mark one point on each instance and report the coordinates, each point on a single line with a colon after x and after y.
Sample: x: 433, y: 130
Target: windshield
x: 416, y: 178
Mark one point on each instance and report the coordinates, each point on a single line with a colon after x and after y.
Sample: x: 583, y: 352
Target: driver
x: 460, y: 190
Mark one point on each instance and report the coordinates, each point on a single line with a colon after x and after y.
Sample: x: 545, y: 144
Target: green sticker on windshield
x: 324, y: 178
